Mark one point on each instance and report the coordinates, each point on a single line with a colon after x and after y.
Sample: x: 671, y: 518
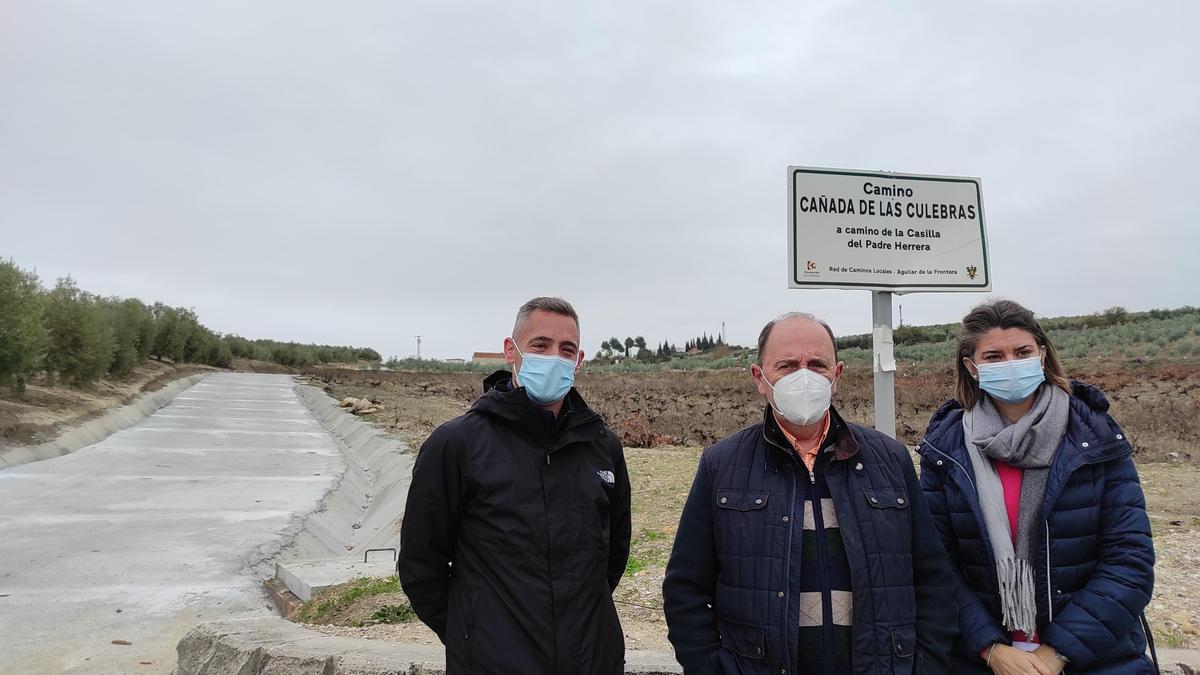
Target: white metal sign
x: 897, y: 232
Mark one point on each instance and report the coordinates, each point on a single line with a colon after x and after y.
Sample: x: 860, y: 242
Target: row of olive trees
x: 296, y: 355
x: 77, y: 337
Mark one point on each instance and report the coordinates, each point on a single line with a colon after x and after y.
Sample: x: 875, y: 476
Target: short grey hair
x: 545, y: 304
x: 766, y: 332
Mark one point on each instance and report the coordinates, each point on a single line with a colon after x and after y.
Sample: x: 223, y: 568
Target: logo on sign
x: 812, y: 266
x: 972, y: 271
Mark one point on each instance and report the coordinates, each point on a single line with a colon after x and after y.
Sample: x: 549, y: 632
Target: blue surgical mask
x: 546, y: 379
x: 1011, y: 381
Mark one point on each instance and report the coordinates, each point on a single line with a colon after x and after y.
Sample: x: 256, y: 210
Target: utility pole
x: 901, y: 315
x: 418, y: 346
x: 723, y: 339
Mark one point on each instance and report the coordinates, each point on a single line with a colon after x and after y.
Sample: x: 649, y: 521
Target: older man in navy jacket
x: 805, y: 545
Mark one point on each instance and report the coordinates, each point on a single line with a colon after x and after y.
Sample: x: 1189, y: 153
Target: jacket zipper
x: 1049, y: 593
x: 814, y: 500
x: 788, y: 636
x: 550, y: 561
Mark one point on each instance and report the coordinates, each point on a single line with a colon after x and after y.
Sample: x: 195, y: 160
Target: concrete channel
x: 112, y: 553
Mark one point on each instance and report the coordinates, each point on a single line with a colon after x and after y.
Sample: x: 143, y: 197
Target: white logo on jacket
x: 607, y: 477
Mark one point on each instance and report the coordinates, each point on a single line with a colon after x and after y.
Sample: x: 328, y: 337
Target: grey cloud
x: 365, y: 172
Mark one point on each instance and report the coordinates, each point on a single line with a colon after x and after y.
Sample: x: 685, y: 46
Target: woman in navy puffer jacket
x: 1037, y: 500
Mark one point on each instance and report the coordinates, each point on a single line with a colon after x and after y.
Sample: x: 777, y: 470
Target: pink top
x: 1010, y: 480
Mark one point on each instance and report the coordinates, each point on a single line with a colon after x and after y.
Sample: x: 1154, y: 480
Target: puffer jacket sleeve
x: 975, y: 623
x: 691, y: 579
x: 1100, y: 615
x: 933, y: 581
x: 427, y: 539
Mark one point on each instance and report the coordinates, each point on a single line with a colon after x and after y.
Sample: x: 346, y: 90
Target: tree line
x: 1113, y: 316
x: 71, y: 336
x: 664, y: 351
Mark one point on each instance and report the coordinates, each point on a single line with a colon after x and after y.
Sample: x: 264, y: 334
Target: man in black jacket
x: 517, y: 526
x: 805, y: 545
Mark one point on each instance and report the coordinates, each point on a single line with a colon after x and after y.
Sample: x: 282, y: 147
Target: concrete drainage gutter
x: 100, y: 428
x: 269, y: 646
x: 363, y: 510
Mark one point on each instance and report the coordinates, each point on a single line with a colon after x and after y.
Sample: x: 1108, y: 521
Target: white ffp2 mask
x: 801, y: 397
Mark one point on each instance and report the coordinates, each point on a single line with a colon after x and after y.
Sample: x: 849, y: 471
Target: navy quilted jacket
x: 731, y: 587
x: 1095, y: 560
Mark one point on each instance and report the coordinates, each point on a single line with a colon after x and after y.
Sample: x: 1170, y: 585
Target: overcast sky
x: 358, y: 173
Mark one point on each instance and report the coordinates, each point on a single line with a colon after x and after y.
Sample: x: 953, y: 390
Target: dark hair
x: 1000, y: 314
x: 545, y: 304
x: 765, y: 334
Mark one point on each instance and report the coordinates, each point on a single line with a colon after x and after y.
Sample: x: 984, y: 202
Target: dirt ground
x: 45, y: 409
x: 1159, y: 406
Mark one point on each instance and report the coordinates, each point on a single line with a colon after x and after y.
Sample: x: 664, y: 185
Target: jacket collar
x: 512, y: 406
x: 839, y: 438
x: 1092, y: 436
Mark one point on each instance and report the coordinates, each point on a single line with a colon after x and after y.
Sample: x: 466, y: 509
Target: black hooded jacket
x: 515, y: 535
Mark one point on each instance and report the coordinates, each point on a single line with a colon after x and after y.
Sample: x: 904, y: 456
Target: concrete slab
x: 306, y: 578
x: 258, y: 646
x: 157, y: 527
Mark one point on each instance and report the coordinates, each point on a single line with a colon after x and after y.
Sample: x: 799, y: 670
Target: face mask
x: 1011, y: 381
x: 801, y: 397
x: 546, y: 379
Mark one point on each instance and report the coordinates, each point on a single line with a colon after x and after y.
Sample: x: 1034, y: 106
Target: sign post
x: 888, y: 233
x: 885, y: 372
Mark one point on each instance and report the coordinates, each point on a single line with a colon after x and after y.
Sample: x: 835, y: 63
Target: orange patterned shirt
x: 808, y: 455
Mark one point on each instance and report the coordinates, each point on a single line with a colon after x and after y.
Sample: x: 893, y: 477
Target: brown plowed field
x: 1158, y: 405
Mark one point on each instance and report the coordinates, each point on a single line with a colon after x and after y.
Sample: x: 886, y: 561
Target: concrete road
x: 141, y: 536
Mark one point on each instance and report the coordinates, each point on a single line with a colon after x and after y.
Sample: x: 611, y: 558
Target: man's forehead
x: 548, y: 325
x: 797, y: 336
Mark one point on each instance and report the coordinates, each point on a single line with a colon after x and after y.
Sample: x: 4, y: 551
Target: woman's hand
x: 1006, y: 660
x: 1049, y: 658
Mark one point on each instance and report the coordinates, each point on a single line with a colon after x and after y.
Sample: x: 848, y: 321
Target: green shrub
x: 393, y: 614
x: 23, y: 336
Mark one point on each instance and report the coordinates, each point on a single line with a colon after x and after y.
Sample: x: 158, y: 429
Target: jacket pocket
x: 469, y: 617
x: 902, y: 641
x: 886, y: 498
x: 745, y: 641
x: 741, y: 500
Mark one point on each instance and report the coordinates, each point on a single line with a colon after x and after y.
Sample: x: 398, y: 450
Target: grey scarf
x: 1029, y: 444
